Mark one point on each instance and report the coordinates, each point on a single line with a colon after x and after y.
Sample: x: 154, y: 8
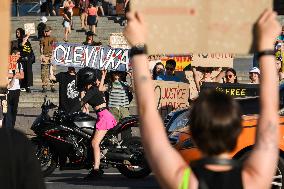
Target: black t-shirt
x: 68, y: 94
x: 68, y: 13
x: 19, y: 168
x: 94, y: 97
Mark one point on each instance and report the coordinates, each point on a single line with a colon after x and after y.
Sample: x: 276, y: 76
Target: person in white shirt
x: 13, y: 93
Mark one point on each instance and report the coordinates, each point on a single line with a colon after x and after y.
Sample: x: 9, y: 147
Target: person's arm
x: 164, y: 160
x: 261, y: 164
x: 125, y: 4
x: 220, y: 75
x: 102, y: 86
x: 41, y: 48
x: 66, y: 17
x: 25, y: 39
x: 197, y: 83
x: 11, y: 83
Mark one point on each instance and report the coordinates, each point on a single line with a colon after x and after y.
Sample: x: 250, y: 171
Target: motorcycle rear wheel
x: 138, y: 166
x: 48, y: 161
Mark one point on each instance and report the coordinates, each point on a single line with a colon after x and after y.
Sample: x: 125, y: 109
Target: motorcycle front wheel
x: 47, y: 159
x: 137, y: 167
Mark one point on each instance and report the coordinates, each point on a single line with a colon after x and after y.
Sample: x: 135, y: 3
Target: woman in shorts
x: 67, y: 18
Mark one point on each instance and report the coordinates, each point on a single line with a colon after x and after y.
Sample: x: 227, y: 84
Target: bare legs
x: 98, y: 137
x: 67, y: 31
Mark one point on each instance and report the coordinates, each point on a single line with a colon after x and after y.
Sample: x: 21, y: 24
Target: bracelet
x: 265, y: 53
x: 137, y: 50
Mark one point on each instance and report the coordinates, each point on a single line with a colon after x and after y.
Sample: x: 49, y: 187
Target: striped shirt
x: 118, y: 94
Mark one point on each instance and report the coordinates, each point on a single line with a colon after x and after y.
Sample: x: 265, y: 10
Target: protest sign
x: 182, y: 61
x: 5, y: 8
x: 213, y: 60
x: 30, y: 28
x: 190, y: 26
x: 98, y: 57
x: 234, y: 90
x: 171, y: 96
x: 13, y: 59
x: 117, y: 40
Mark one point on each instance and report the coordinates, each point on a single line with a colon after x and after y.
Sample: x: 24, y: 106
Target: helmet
x: 86, y: 76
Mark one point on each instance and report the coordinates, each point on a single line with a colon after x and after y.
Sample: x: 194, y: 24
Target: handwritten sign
x: 13, y: 59
x: 191, y: 26
x: 5, y: 9
x: 171, y: 96
x: 213, y: 60
x: 117, y: 40
x: 30, y: 28
x: 98, y: 57
x: 234, y: 90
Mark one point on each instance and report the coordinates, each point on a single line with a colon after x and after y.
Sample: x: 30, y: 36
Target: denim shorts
x: 66, y: 24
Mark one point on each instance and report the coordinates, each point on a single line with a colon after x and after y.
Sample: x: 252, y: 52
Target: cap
x: 43, y: 19
x: 254, y: 70
x: 47, y: 28
x: 89, y: 33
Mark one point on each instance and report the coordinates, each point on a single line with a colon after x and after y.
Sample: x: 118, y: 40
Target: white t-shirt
x: 16, y: 85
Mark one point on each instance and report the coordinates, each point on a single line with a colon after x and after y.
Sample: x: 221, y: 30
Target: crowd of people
x: 109, y: 94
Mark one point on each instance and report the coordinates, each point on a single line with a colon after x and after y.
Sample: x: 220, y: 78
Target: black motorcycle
x: 64, y: 141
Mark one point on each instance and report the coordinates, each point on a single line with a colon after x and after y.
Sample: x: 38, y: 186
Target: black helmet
x: 86, y: 76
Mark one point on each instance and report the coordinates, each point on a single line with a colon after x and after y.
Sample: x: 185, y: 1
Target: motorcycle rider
x: 92, y: 82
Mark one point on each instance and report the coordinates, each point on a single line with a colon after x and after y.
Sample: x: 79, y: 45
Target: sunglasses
x: 169, y: 68
x: 229, y: 76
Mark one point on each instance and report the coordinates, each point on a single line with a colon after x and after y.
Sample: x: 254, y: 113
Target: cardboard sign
x: 171, y: 96
x: 13, y: 59
x: 191, y: 26
x: 97, y: 57
x: 30, y: 28
x: 234, y: 90
x: 5, y: 8
x: 117, y: 40
x: 213, y: 60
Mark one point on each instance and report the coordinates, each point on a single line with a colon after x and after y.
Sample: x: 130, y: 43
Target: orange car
x: 181, y: 139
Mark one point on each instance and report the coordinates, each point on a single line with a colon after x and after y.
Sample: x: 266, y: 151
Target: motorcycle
x: 64, y: 141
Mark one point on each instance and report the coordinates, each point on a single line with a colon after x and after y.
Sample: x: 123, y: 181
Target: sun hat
x: 254, y: 70
x: 43, y: 19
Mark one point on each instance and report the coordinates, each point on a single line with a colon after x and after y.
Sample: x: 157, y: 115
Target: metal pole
x: 17, y: 8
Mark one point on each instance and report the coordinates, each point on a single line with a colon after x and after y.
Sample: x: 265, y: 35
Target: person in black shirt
x: 67, y: 22
x: 68, y: 94
x: 92, y: 81
x: 19, y: 168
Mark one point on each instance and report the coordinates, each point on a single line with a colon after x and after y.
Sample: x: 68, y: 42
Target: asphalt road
x: 111, y: 179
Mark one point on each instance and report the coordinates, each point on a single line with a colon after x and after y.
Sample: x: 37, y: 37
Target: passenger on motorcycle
x: 92, y: 82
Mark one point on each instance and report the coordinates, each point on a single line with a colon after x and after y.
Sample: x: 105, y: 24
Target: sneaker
x: 53, y: 90
x: 22, y: 89
x: 44, y: 90
x: 94, y: 174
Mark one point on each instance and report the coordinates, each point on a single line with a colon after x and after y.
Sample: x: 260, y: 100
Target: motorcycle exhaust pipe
x: 118, y: 156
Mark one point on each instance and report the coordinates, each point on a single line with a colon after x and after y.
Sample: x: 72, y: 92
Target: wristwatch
x: 138, y: 49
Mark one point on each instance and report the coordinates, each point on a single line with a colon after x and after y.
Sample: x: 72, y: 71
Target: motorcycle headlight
x: 180, y: 122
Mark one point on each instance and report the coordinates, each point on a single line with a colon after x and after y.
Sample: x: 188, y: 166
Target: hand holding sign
x: 29, y: 28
